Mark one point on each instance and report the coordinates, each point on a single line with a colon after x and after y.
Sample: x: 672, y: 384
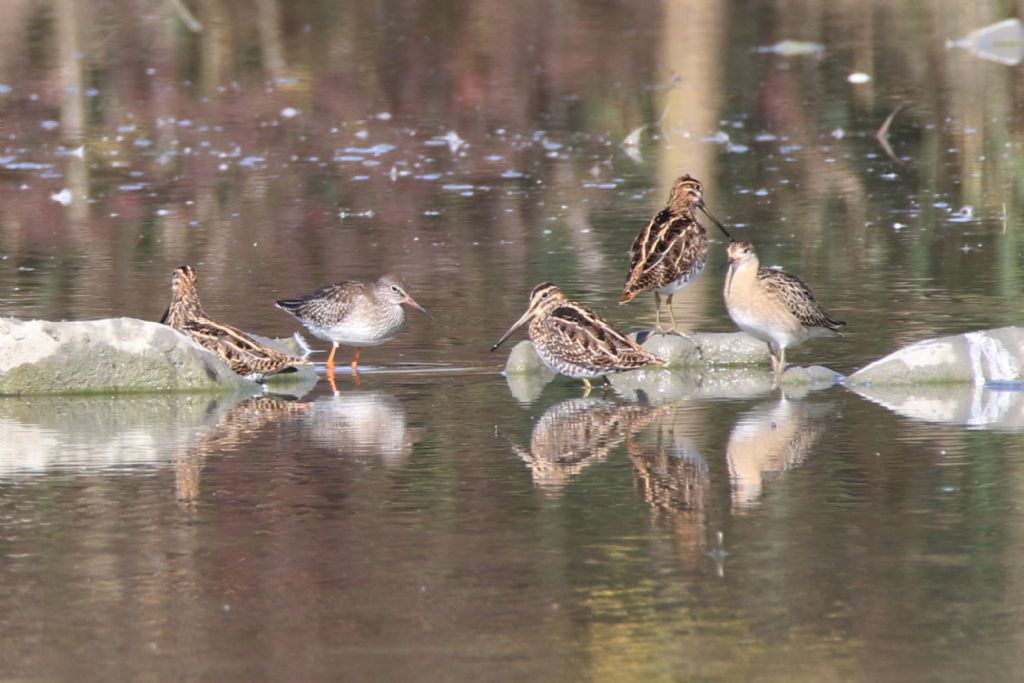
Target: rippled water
x: 436, y: 521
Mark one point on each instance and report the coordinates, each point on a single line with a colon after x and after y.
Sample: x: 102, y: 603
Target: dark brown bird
x: 573, y: 340
x: 246, y: 356
x: 672, y: 249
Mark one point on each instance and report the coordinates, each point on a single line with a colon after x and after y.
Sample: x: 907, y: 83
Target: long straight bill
x: 716, y: 222
x: 515, y: 326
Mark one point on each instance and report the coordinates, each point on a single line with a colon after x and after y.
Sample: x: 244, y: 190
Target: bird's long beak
x: 526, y: 316
x: 409, y: 300
x: 716, y: 221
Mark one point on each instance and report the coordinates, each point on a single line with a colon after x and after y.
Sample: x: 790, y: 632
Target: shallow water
x: 436, y: 521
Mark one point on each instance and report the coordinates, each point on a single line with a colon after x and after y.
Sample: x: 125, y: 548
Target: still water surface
x: 436, y: 521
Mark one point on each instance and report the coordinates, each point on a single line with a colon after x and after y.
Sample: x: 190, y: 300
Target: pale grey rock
x: 703, y: 349
x: 975, y: 358
x: 110, y: 355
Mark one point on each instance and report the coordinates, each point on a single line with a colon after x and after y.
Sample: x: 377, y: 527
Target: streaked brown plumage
x: 354, y: 313
x: 573, y: 340
x: 578, y: 432
x: 672, y: 249
x: 245, y: 355
x: 772, y: 305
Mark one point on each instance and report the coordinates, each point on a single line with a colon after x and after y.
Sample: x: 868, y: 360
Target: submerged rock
x: 704, y: 348
x: 704, y: 365
x: 975, y: 358
x: 110, y: 355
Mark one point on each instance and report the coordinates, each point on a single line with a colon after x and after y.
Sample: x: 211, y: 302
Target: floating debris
x: 793, y: 48
x: 631, y: 144
x: 1001, y: 42
x: 858, y: 78
x: 64, y: 197
x: 289, y: 112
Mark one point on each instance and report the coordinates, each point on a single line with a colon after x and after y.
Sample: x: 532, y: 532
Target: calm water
x: 436, y: 521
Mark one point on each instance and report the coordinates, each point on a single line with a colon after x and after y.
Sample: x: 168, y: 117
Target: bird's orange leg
x: 330, y: 361
x: 355, y: 361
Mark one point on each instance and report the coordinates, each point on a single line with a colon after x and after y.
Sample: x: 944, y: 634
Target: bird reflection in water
x: 364, y: 423
x: 234, y: 429
x: 674, y: 480
x: 769, y: 439
x: 574, y: 434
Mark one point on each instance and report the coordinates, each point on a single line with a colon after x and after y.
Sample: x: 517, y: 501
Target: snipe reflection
x: 232, y: 430
x: 364, y: 423
x: 769, y: 439
x: 674, y: 480
x: 574, y: 434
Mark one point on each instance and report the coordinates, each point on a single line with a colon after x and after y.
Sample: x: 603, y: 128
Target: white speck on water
x: 456, y: 188
x: 150, y: 71
x: 858, y: 78
x: 64, y: 197
x: 838, y: 134
x: 889, y: 176
x: 429, y: 176
x: 4, y: 89
x: 162, y: 212
x: 763, y: 192
x: 376, y: 150
x: 223, y: 167
x: 510, y: 174
x: 49, y: 124
x: 384, y: 116
x: 362, y: 134
x: 898, y: 226
x: 289, y: 112
x: 964, y: 215
x: 431, y: 212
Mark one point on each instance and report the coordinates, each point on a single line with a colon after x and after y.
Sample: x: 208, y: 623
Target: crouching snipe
x: 246, y: 356
x: 573, y: 340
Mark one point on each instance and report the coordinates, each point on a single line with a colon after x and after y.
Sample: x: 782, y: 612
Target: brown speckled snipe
x: 672, y: 249
x: 245, y: 355
x: 573, y: 340
x: 772, y: 305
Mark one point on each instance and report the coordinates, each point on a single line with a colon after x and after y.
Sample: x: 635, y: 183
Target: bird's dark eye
x: 394, y: 288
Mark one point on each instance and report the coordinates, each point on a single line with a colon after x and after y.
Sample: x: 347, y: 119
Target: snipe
x: 671, y: 251
x: 573, y: 340
x: 245, y: 355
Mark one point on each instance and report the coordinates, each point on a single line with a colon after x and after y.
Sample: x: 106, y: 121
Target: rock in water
x: 103, y: 356
x: 981, y: 357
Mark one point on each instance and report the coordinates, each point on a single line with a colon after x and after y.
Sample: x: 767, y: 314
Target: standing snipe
x: 772, y: 305
x: 245, y: 355
x: 670, y: 252
x: 354, y: 313
x: 575, y: 341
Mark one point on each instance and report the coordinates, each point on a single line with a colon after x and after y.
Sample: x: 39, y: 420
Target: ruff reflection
x: 769, y: 439
x: 364, y: 424
x: 574, y: 434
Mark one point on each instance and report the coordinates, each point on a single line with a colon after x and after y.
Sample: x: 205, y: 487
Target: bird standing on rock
x: 671, y: 251
x: 772, y: 305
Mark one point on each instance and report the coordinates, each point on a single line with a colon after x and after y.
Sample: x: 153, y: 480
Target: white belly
x: 355, y: 333
x: 757, y: 326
